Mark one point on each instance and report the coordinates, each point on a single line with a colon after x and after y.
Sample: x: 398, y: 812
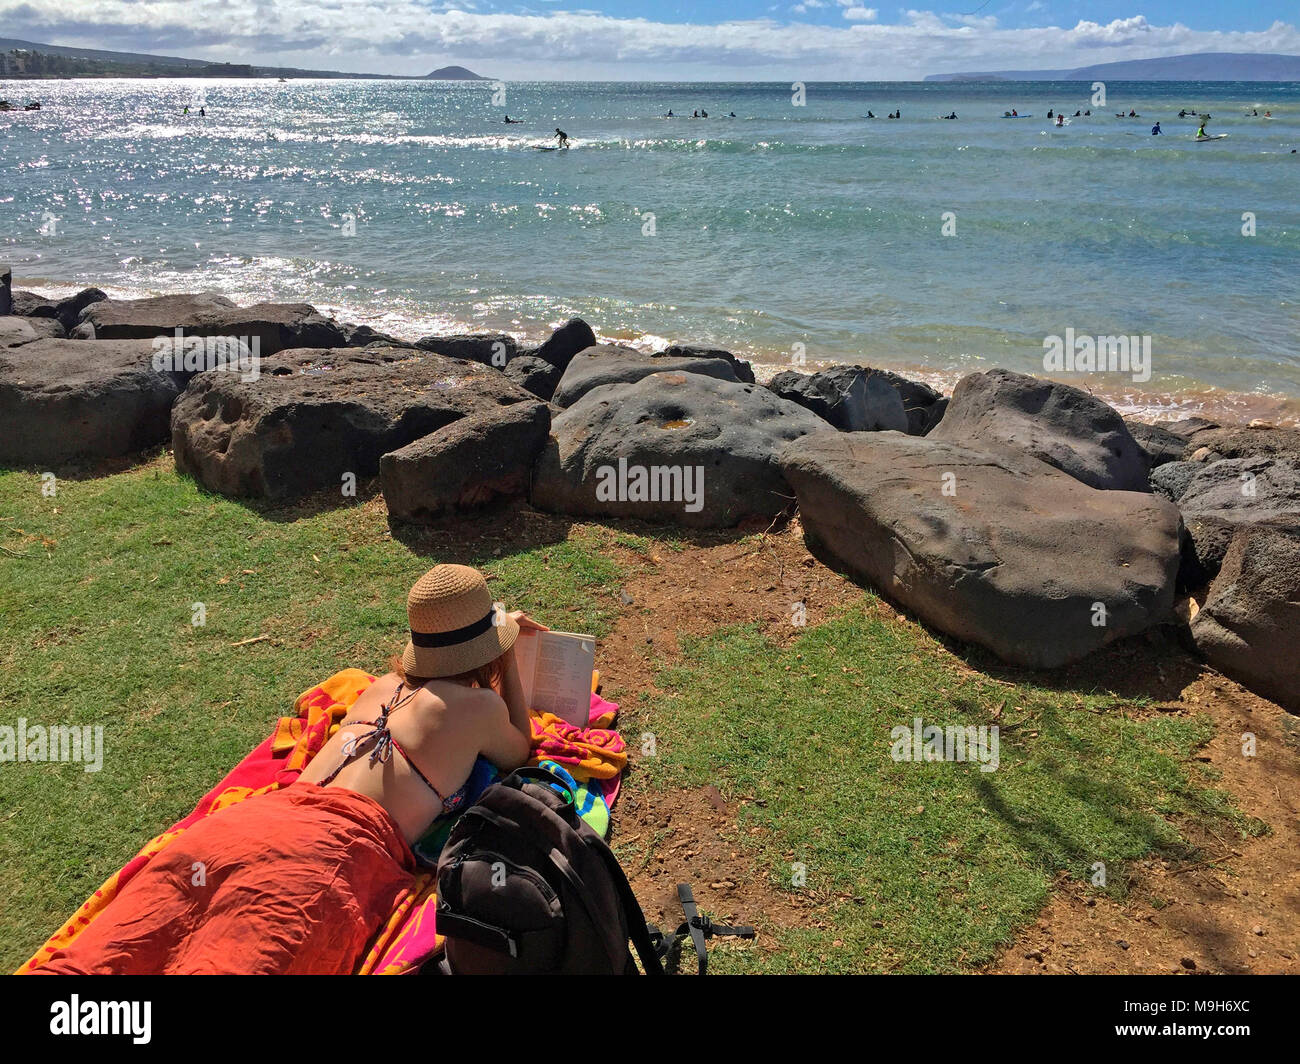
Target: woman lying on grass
x: 301, y: 878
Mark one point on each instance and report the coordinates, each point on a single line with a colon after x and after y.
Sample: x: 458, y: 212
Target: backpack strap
x: 699, y: 929
x: 647, y: 948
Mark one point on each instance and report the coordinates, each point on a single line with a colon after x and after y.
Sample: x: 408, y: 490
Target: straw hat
x: 454, y: 625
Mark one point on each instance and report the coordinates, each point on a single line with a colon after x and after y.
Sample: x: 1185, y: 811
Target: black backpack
x: 525, y: 886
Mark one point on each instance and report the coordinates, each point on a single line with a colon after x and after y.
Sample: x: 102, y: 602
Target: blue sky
x: 805, y: 40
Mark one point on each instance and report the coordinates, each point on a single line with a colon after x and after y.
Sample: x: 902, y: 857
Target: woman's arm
x: 512, y: 692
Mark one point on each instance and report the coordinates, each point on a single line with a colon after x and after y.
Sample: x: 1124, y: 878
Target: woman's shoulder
x: 454, y: 694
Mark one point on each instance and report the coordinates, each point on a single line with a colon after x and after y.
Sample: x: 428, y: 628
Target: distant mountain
x: 1203, y: 66
x: 27, y: 59
x: 454, y: 73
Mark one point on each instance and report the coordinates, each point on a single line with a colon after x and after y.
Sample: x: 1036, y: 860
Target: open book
x: 555, y: 671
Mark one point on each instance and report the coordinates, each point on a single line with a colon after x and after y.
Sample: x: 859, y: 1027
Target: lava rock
x: 1060, y: 425
x: 679, y: 447
x: 467, y: 464
x: 995, y: 548
x: 313, y: 416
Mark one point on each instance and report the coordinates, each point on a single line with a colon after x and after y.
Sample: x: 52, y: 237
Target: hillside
x: 454, y: 73
x: 1203, y: 66
x: 29, y: 59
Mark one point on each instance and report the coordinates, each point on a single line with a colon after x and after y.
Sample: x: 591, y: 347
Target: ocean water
x: 786, y: 231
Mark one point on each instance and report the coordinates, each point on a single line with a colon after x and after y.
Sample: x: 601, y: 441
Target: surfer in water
x: 1200, y: 133
x: 1155, y: 130
x: 514, y: 121
x: 561, y: 137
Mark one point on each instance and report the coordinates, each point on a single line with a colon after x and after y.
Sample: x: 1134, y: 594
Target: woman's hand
x: 527, y: 623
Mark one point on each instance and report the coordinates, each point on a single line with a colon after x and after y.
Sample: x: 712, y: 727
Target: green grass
x: 97, y: 594
x: 948, y: 860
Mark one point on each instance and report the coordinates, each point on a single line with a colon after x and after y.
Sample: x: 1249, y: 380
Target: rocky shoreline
x: 1019, y: 514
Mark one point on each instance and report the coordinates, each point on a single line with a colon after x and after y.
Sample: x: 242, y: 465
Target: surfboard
x: 1213, y: 136
x: 1017, y: 116
x: 543, y: 147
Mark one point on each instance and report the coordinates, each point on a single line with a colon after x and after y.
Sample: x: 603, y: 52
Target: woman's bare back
x: 441, y: 727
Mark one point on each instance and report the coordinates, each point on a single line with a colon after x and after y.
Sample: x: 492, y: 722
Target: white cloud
x: 405, y: 36
x: 860, y: 14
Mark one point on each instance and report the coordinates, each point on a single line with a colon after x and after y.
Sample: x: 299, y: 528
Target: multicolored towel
x: 408, y: 938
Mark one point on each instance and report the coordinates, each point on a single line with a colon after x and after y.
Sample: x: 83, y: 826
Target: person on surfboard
x: 562, y: 137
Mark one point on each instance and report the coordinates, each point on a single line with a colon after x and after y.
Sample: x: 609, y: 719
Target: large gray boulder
x: 490, y: 349
x: 67, y: 311
x: 851, y: 398
x: 364, y: 335
x: 316, y: 415
x: 923, y: 405
x: 573, y: 336
x: 1172, y: 478
x: 1220, y: 496
x: 1062, y: 426
x: 1249, y: 627
x: 1214, y: 444
x: 742, y: 370
x: 610, y: 364
x: 533, y: 375
x: 273, y: 326
x: 1158, y: 442
x: 678, y: 447
x: 998, y: 549
x: 466, y: 465
x: 15, y: 330
x: 65, y: 401
x: 1189, y: 427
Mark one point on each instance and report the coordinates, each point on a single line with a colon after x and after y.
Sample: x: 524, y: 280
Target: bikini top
x: 381, y: 743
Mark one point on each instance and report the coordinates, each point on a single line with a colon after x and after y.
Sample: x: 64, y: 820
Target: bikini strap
x: 379, y: 734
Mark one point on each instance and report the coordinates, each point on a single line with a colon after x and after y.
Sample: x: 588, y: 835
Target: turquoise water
x: 783, y: 226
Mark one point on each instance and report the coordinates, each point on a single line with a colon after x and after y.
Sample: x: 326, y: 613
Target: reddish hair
x: 488, y: 676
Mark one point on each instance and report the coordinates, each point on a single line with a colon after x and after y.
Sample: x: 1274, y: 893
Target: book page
x: 526, y: 661
x: 555, y: 672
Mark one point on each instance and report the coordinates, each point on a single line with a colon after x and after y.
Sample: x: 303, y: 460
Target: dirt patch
x: 715, y: 582
x: 692, y: 836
